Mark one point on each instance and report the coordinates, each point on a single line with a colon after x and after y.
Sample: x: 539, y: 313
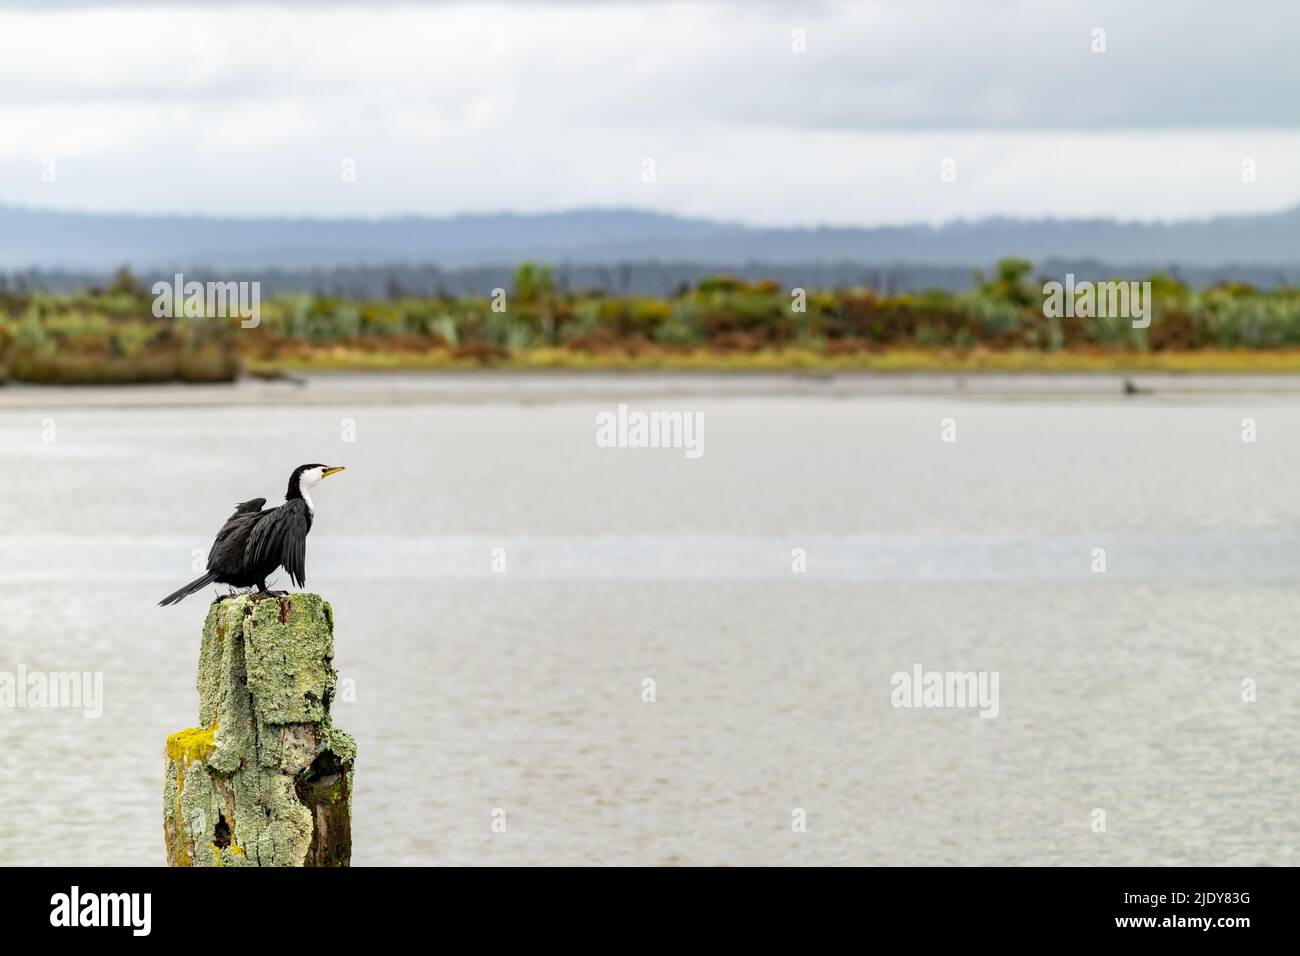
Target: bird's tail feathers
x: 198, y: 584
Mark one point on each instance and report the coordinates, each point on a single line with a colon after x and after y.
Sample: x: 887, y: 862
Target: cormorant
x: 253, y: 543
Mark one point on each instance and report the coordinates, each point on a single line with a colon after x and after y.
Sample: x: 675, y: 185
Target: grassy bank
x: 796, y: 360
x: 723, y: 324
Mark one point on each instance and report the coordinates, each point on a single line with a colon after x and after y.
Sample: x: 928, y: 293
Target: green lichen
x: 290, y: 651
x: 266, y: 679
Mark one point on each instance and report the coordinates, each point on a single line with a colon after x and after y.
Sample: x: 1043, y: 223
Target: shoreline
x: 455, y: 387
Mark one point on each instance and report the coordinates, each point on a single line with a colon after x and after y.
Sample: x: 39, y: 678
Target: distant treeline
x: 112, y: 332
x: 375, y: 283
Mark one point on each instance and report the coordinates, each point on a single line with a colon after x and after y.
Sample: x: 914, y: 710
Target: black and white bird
x: 254, y: 542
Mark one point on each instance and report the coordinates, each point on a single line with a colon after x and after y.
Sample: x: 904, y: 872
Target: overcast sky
x: 256, y: 109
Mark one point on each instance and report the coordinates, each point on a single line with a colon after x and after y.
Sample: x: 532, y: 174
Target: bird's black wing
x: 280, y: 535
x: 227, y: 554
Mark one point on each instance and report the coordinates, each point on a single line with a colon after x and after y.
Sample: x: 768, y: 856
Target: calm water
x: 522, y: 690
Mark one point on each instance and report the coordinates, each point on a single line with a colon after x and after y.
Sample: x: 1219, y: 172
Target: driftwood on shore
x: 267, y: 779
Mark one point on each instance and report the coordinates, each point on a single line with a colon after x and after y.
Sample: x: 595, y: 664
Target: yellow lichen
x: 182, y: 844
x: 186, y: 746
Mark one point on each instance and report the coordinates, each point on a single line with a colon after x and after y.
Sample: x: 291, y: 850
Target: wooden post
x: 267, y: 779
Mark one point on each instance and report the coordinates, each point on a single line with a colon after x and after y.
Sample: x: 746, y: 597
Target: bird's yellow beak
x: 332, y: 471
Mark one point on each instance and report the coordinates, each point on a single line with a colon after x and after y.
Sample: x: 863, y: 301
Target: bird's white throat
x: 306, y: 481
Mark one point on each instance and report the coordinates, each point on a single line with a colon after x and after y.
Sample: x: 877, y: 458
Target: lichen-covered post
x: 267, y: 780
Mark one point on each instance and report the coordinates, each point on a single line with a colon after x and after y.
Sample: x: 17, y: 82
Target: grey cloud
x: 928, y: 65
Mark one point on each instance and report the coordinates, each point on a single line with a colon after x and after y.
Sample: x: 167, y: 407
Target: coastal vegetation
x: 112, y: 334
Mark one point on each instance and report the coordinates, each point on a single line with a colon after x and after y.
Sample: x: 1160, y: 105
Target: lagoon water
x: 522, y: 690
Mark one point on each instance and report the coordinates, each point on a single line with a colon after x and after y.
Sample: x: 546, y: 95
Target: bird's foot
x: 258, y: 595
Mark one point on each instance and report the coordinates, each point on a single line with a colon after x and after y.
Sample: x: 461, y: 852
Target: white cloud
x: 251, y: 109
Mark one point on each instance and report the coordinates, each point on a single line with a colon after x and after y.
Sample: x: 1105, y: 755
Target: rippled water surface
x: 523, y: 690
